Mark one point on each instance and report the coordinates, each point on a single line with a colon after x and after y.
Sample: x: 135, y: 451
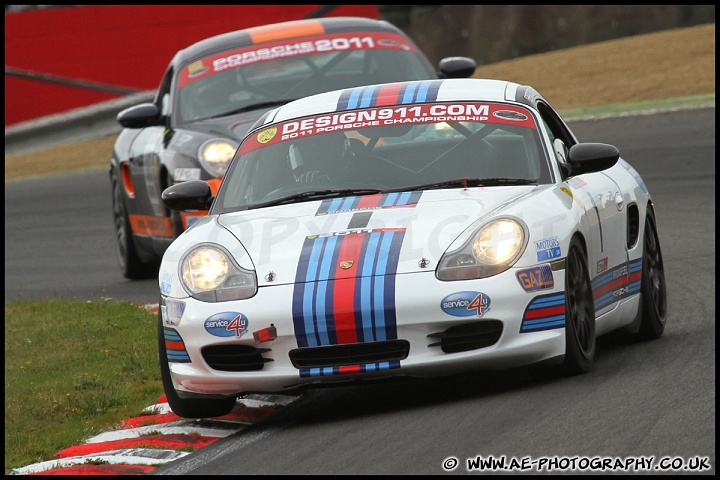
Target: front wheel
x: 579, y: 313
x: 187, y: 407
x: 652, y: 290
x: 131, y: 266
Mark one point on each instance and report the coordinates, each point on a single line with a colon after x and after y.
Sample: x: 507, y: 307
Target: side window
x: 164, y: 103
x: 163, y: 95
x: 560, y: 136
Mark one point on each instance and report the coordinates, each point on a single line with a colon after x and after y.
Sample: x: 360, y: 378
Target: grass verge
x: 73, y: 369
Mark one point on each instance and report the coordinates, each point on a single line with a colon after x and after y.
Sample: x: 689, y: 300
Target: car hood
x: 231, y: 126
x: 362, y: 236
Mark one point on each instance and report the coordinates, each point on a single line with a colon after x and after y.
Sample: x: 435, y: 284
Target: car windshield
x: 371, y: 151
x: 262, y: 76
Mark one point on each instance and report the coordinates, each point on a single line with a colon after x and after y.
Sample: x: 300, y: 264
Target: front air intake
x: 469, y: 336
x: 350, y: 354
x: 235, y: 358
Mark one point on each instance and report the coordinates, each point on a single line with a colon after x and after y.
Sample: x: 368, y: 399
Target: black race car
x: 211, y: 94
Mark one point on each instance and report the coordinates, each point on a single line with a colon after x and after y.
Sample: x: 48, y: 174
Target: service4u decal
x: 227, y: 324
x: 466, y: 304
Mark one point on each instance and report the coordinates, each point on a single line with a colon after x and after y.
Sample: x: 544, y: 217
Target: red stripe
x: 149, y: 225
x: 102, y: 469
x: 145, y: 420
x: 172, y: 441
x: 610, y: 286
x: 349, y: 369
x: 291, y: 29
x: 240, y: 413
x: 369, y: 201
x: 545, y: 312
x: 388, y: 95
x: 344, y: 289
x: 170, y: 345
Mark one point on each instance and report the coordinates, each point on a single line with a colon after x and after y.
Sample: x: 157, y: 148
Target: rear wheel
x: 129, y: 261
x: 579, y: 313
x: 187, y: 407
x: 652, y: 291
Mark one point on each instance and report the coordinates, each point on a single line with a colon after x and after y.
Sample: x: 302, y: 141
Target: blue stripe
x: 334, y: 204
x: 326, y: 266
x: 367, y: 292
x: 546, y: 304
x: 330, y: 371
x: 309, y: 296
x: 177, y: 356
x: 347, y: 203
x: 321, y: 316
x: 409, y: 95
x: 388, y: 200
x: 307, y: 314
x: 423, y: 91
x: 354, y: 98
x: 379, y: 292
x: 403, y: 198
x: 363, y: 294
x: 554, y: 320
x: 367, y: 97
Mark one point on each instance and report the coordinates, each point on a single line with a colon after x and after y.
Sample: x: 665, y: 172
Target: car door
x: 605, y: 212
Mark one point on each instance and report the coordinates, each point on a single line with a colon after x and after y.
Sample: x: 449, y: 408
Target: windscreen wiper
x: 317, y: 194
x: 254, y: 106
x: 468, y: 182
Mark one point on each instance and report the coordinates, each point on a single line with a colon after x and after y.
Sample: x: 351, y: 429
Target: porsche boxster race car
x: 405, y: 229
x: 214, y: 90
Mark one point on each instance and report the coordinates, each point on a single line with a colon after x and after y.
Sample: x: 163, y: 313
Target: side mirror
x: 456, y: 67
x: 591, y: 157
x: 190, y: 195
x: 140, y: 116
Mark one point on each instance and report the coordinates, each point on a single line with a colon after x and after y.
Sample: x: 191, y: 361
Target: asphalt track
x: 654, y: 399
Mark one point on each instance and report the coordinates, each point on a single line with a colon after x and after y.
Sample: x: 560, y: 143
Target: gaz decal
x: 536, y: 278
x: 227, y: 324
x: 466, y: 304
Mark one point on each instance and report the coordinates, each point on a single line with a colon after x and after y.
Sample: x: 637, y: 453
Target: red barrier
x: 118, y: 45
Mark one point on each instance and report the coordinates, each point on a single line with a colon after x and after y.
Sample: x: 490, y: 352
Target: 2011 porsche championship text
x: 329, y: 44
x: 387, y: 116
x: 581, y: 464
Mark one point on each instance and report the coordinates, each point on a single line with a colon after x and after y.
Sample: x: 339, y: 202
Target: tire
x: 188, y: 407
x: 177, y: 224
x: 580, y: 338
x: 129, y: 261
x: 653, y: 292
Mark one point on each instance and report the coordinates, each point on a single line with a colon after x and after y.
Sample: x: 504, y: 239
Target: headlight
x: 215, y: 155
x: 491, y: 250
x: 209, y: 274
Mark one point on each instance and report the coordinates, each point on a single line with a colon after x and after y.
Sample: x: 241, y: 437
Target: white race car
x: 404, y: 229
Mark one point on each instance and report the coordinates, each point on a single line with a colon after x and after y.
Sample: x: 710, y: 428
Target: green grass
x: 74, y: 369
x: 634, y: 107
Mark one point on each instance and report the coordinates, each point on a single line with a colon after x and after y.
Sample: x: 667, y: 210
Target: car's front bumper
x: 443, y: 338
